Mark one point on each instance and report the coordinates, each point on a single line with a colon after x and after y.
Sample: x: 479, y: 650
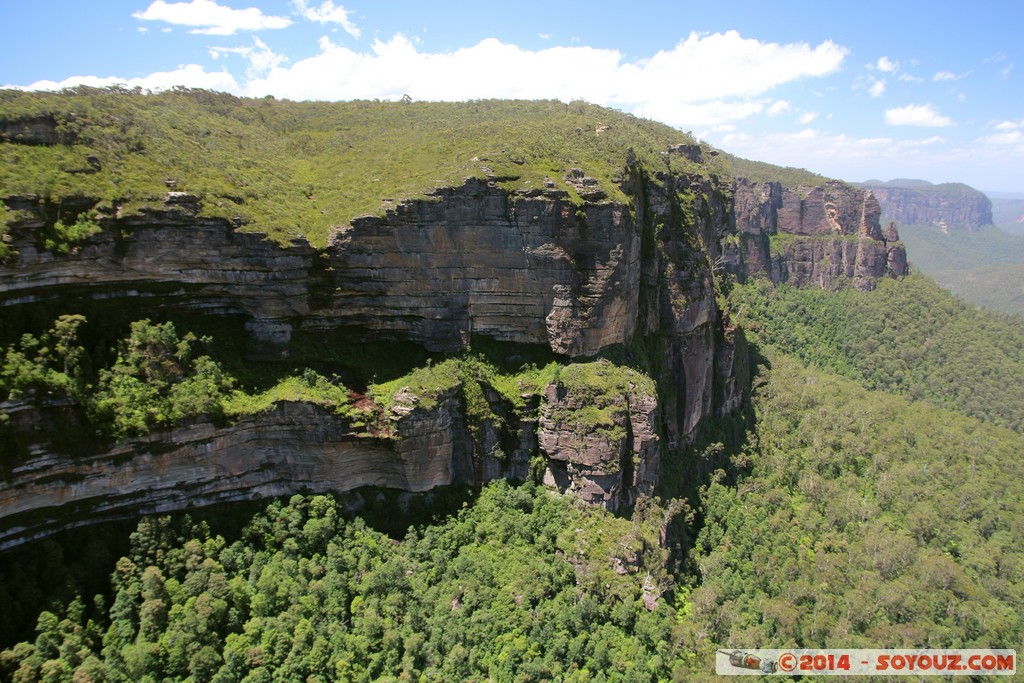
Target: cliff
x: 947, y: 206
x: 622, y: 256
x: 476, y: 260
x: 816, y: 236
x: 607, y: 458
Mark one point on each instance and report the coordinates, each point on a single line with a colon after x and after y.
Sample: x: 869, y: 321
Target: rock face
x: 295, y: 447
x: 167, y: 255
x: 949, y: 206
x: 481, y: 261
x: 300, y: 446
x: 600, y: 436
x: 473, y: 260
x: 818, y: 236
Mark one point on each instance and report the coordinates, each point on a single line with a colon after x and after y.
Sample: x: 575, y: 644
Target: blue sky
x: 859, y: 90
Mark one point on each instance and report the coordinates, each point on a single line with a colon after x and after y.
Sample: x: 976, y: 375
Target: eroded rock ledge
x: 608, y: 459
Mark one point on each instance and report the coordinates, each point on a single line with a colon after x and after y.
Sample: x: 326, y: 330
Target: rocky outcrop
x: 481, y: 261
x: 949, y: 206
x: 599, y: 435
x: 37, y: 130
x: 818, y: 236
x: 166, y: 254
x: 294, y: 447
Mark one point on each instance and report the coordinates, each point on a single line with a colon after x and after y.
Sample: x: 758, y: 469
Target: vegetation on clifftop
x: 299, y: 168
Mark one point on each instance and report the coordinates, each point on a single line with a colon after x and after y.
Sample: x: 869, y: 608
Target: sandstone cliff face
x: 950, y: 206
x: 816, y: 237
x: 481, y: 261
x: 189, y: 263
x: 300, y: 446
x: 472, y: 260
x: 603, y: 447
x: 295, y: 447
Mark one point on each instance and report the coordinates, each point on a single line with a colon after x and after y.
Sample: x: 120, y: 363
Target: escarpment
x: 469, y: 261
x: 582, y: 277
x: 606, y: 455
x: 815, y: 236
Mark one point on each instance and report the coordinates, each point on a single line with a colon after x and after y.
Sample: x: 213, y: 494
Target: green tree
x: 159, y: 380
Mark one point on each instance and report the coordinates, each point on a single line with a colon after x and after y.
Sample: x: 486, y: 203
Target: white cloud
x: 1005, y: 72
x: 327, y: 13
x: 887, y: 65
x: 704, y: 80
x: 807, y: 117
x: 1013, y: 137
x: 916, y: 115
x: 189, y: 75
x: 207, y: 17
x: 944, y: 76
x: 261, y: 58
x: 1009, y: 125
x: 877, y: 88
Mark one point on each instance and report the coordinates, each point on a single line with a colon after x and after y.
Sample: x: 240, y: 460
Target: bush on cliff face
x: 309, y: 387
x: 65, y: 237
x: 158, y: 380
x: 51, y: 363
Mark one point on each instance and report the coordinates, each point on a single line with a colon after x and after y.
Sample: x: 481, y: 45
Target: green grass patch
x: 309, y: 387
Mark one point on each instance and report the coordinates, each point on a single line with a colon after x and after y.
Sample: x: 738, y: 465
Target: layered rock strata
x: 299, y: 446
x: 528, y: 267
x: 603, y: 447
x: 816, y: 236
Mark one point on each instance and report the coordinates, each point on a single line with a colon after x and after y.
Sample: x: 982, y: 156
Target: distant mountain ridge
x: 947, y: 206
x: 951, y: 234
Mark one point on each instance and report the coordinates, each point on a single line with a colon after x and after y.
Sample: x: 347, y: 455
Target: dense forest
x: 909, y: 337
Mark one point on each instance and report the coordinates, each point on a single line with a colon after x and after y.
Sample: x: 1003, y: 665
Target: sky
x: 856, y: 90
